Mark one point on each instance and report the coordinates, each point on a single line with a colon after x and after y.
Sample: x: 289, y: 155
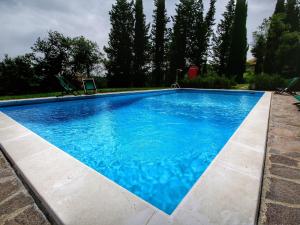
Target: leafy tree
x: 222, y: 40
x: 159, y: 37
x: 85, y: 55
x: 292, y: 15
x: 51, y: 57
x: 239, y: 46
x: 181, y: 32
x: 120, y: 45
x: 259, y: 46
x: 141, y: 45
x: 288, y: 54
x: 17, y: 75
x: 276, y: 30
x: 280, y: 6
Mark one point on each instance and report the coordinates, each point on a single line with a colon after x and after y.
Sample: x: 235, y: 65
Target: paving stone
x: 3, y: 162
x: 8, y: 188
x: 285, y: 172
x: 30, y: 216
x: 283, y: 191
x: 282, y: 215
x: 283, y: 160
x: 4, y: 173
x: 19, y: 201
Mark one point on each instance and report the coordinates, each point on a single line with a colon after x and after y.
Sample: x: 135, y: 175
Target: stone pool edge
x: 75, y: 194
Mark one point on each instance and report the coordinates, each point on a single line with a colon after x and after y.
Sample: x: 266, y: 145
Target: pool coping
x: 228, y: 192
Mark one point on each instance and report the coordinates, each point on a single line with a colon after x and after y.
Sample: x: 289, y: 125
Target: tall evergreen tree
x: 196, y: 40
x: 181, y: 31
x: 141, y: 46
x: 292, y: 14
x: 120, y: 45
x: 159, y: 34
x: 259, y: 47
x: 239, y: 46
x: 222, y: 40
x: 276, y: 29
x: 201, y: 31
x: 280, y: 6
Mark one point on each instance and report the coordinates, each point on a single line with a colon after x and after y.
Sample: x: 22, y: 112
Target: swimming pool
x: 156, y: 144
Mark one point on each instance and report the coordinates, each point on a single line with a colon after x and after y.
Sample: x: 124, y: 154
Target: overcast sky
x: 22, y: 21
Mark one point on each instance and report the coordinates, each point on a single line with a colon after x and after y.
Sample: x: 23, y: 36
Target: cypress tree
x: 259, y: 48
x: 181, y: 32
x: 276, y: 29
x: 222, y: 40
x: 280, y: 6
x: 239, y: 46
x: 158, y: 36
x: 201, y: 31
x: 141, y: 45
x: 292, y: 14
x: 197, y: 38
x: 120, y: 45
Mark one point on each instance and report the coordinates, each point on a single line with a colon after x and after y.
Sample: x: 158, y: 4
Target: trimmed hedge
x: 266, y: 82
x: 212, y: 81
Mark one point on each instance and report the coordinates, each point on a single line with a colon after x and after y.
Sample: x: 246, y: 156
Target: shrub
x: 212, y: 81
x: 266, y: 82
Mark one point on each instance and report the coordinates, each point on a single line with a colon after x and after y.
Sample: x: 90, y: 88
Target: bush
x: 212, y: 81
x: 266, y: 82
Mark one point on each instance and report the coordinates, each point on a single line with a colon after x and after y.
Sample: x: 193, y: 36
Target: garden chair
x: 68, y: 88
x: 292, y: 88
x: 89, y: 85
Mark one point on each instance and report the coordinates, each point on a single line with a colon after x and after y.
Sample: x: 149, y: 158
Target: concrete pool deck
x: 72, y: 193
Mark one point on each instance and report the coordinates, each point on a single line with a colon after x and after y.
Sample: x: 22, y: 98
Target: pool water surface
x: 154, y: 144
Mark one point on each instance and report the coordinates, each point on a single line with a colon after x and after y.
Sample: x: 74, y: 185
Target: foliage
x: 222, y: 40
x: 181, y: 33
x: 292, y: 15
x: 277, y: 28
x: 266, y: 82
x: 201, y: 32
x: 159, y: 40
x: 191, y: 35
x: 259, y: 46
x: 211, y: 80
x: 280, y: 6
x: 288, y: 54
x: 120, y: 45
x: 52, y: 56
x: 239, y: 46
x: 85, y: 56
x: 141, y: 46
x: 17, y: 75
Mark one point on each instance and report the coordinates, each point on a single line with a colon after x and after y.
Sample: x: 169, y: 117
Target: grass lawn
x: 53, y: 94
x: 106, y: 90
x: 241, y: 86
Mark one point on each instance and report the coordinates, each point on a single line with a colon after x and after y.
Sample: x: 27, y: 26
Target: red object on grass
x: 193, y: 72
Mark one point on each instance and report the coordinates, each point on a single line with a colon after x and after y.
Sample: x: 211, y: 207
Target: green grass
x: 241, y: 87
x: 106, y: 90
x: 53, y: 94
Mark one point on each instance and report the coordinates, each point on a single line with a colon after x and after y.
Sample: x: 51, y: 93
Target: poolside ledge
x: 227, y: 193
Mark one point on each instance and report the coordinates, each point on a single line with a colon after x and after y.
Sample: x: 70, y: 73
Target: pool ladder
x: 175, y: 85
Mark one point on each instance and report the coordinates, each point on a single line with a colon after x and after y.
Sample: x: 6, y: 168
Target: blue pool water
x: 155, y: 145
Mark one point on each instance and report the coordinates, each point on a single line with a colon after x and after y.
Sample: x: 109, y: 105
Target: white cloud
x: 22, y: 21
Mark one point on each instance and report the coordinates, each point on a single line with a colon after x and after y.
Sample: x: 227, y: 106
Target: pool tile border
x: 227, y: 193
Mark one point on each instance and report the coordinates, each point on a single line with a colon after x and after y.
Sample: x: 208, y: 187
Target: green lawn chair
x: 298, y: 102
x: 89, y: 85
x: 68, y: 88
x: 292, y: 88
